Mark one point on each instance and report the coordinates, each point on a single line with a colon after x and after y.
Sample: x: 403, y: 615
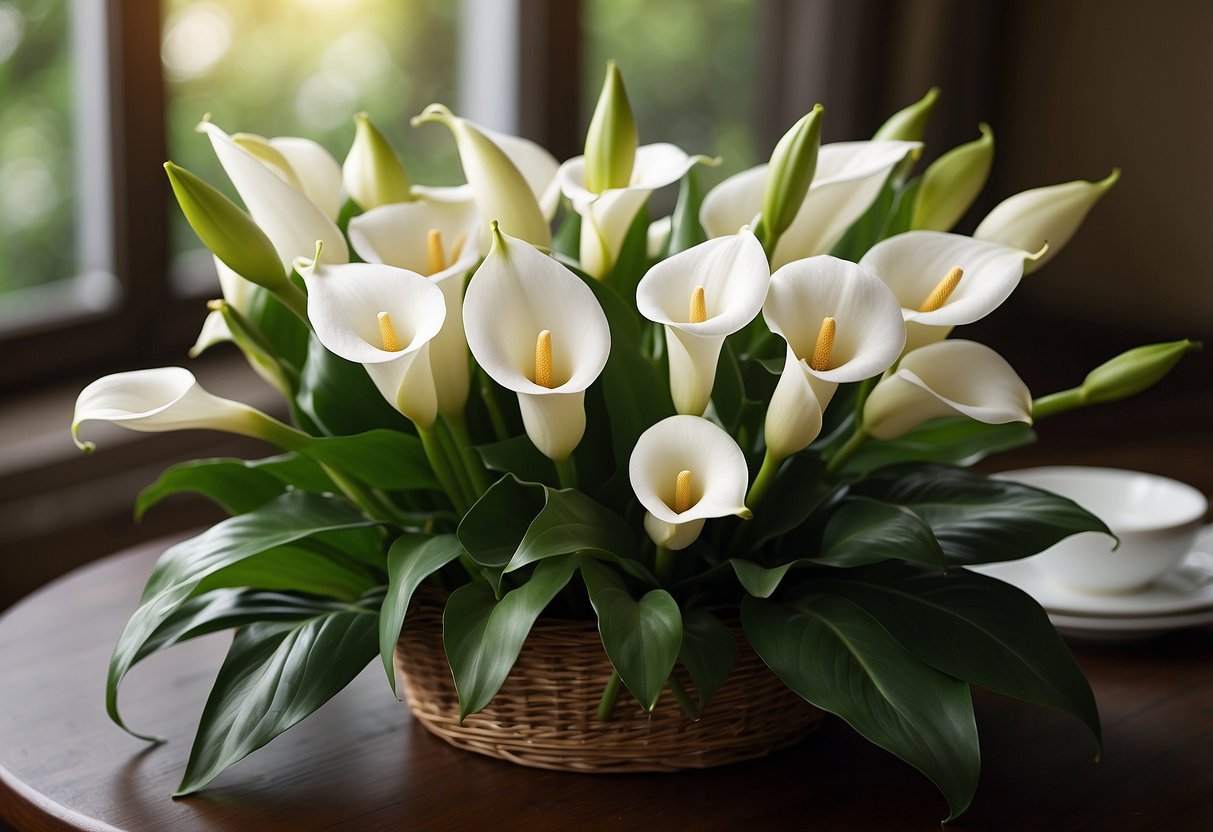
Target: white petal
x: 912, y: 264
x: 397, y: 234
x: 657, y: 237
x: 735, y: 202
x: 214, y: 331
x: 719, y: 476
x: 673, y: 536
x: 869, y: 334
x: 236, y: 290
x: 945, y: 379
x: 162, y: 399
x: 848, y: 179
x: 318, y: 172
x: 555, y: 422
x: 693, y: 360
x: 408, y: 384
x: 537, y: 166
x: 515, y: 294
x: 793, y: 417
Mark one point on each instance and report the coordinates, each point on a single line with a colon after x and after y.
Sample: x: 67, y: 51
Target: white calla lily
x: 435, y: 237
x: 1049, y: 215
x: 841, y: 324
x: 503, y: 193
x: 384, y: 319
x: 944, y: 280
x: 946, y: 379
x: 170, y: 398
x: 848, y: 179
x: 276, y: 196
x: 538, y: 330
x: 701, y: 296
x: 606, y: 217
x: 686, y: 470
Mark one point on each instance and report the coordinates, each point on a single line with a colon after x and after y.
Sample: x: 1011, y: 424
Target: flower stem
x: 663, y: 564
x: 458, y: 426
x: 432, y: 446
x: 360, y: 496
x: 682, y: 697
x: 454, y: 459
x: 844, y: 453
x: 490, y: 404
x: 566, y: 473
x: 609, y: 694
x: 764, y: 480
x: 1055, y: 403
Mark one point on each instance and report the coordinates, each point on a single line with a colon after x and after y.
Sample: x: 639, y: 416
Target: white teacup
x: 1155, y: 518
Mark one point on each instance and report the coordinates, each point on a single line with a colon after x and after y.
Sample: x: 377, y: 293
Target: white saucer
x: 1123, y: 629
x: 1185, y: 592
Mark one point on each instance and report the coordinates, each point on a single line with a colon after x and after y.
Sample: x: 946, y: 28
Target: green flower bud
x: 910, y: 124
x: 257, y: 350
x: 227, y: 231
x: 1134, y: 371
x: 952, y: 182
x: 610, y: 143
x: 373, y: 173
x: 793, y: 163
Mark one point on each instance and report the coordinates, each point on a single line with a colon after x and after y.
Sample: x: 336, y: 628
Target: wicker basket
x: 545, y: 714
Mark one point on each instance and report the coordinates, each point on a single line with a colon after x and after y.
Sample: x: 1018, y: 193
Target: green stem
x: 609, y: 694
x: 844, y: 453
x: 489, y: 396
x: 663, y: 564
x: 1058, y: 402
x: 458, y: 426
x: 450, y: 450
x: 861, y: 397
x: 359, y: 495
x: 566, y: 473
x: 682, y: 697
x: 764, y: 480
x: 432, y: 446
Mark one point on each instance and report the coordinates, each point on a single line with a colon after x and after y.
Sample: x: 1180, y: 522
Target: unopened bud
x: 373, y: 173
x: 611, y: 141
x: 952, y: 182
x: 793, y: 164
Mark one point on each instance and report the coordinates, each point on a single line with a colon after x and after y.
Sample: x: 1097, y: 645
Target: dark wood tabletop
x: 363, y: 764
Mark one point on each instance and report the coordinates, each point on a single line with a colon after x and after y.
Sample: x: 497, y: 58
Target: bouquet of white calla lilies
x: 696, y: 434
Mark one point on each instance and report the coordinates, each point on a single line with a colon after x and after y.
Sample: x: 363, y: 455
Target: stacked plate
x: 1179, y: 599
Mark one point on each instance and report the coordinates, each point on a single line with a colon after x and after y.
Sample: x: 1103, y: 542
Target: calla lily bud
x: 226, y: 230
x: 952, y: 182
x: 909, y: 124
x: 373, y: 173
x: 1050, y: 215
x: 947, y: 378
x: 611, y: 141
x: 686, y: 470
x: 502, y: 193
x: 538, y: 330
x: 792, y: 167
x: 1125, y: 375
x: 170, y: 398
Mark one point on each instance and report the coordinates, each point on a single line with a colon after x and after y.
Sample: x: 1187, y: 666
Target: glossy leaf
x: 642, y: 638
x: 518, y: 456
x: 867, y: 531
x: 296, y: 568
x: 709, y: 651
x: 976, y: 519
x: 180, y: 570
x: 238, y: 485
x: 411, y: 560
x: 483, y: 636
x: 955, y: 440
x: 275, y: 675
x: 387, y: 459
x: 975, y: 628
x: 843, y: 661
x: 340, y: 397
x: 685, y: 229
x: 797, y: 492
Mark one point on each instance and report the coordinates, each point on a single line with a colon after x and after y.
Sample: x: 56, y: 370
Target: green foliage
x: 238, y: 485
x: 709, y: 651
x: 952, y: 440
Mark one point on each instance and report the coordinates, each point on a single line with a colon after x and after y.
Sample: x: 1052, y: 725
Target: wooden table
x: 361, y: 763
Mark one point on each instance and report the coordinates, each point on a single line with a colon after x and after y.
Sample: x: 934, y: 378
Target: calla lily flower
x: 1049, y: 215
x: 944, y: 280
x: 502, y: 192
x: 170, y: 398
x: 437, y: 238
x: 384, y: 319
x: 841, y: 324
x: 946, y: 379
x: 606, y: 216
x: 291, y: 188
x: 538, y: 330
x: 701, y: 296
x: 848, y: 179
x: 685, y: 470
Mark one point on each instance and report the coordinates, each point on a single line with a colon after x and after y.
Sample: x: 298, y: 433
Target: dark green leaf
x: 955, y: 440
x: 281, y: 327
x: 386, y: 459
x: 795, y: 494
x: 518, y: 456
x: 567, y: 239
x: 840, y: 659
x: 180, y: 570
x: 275, y: 675
x: 483, y: 636
x: 633, y: 259
x: 867, y: 531
x: 865, y: 231
x: 411, y: 560
x: 709, y: 651
x: 493, y: 528
x: 340, y: 397
x: 685, y: 230
x: 976, y: 519
x: 642, y: 638
x: 975, y: 628
x: 238, y: 485
x: 295, y: 568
